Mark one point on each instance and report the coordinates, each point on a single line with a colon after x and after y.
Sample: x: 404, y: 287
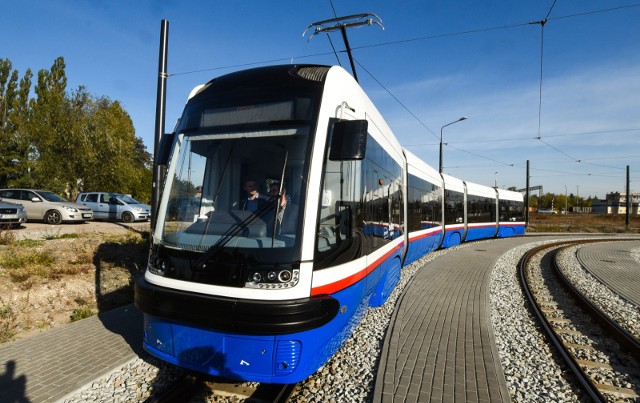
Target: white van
x: 114, y: 206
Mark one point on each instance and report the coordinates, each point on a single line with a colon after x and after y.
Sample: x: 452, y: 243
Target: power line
x: 542, y: 24
x: 495, y: 140
x: 402, y: 41
x: 467, y: 32
x: 481, y: 156
x: 397, y: 100
x: 500, y: 27
x: 604, y: 10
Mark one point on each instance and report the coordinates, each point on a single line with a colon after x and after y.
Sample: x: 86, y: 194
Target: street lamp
x: 455, y: 121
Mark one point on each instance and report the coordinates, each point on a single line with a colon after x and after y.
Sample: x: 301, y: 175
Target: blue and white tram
x: 268, y: 291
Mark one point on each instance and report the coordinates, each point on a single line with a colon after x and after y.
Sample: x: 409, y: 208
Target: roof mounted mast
x: 342, y: 23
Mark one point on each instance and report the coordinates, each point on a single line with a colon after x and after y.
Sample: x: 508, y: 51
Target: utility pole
x: 627, y: 219
x: 526, y: 198
x: 160, y: 112
x: 448, y: 124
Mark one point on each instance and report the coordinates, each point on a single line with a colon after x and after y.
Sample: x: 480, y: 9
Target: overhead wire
x: 542, y: 24
x: 539, y: 137
x: 397, y: 100
x: 389, y: 43
x: 466, y: 32
x: 329, y: 36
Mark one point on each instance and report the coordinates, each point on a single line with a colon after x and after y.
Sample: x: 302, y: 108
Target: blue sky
x: 435, y: 61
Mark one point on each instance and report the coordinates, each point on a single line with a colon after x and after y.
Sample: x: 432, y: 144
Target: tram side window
x: 454, y: 207
x: 361, y: 207
x: 338, y: 239
x: 383, y: 204
x: 480, y: 209
x: 414, y: 209
x: 511, y: 210
x: 340, y: 210
x: 424, y: 204
x: 517, y: 211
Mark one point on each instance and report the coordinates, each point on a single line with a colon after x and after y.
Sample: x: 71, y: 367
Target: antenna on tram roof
x: 342, y: 23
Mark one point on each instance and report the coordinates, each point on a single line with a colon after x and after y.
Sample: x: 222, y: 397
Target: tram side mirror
x: 164, y: 148
x: 349, y: 140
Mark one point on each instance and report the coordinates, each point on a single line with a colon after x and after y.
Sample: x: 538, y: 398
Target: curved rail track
x: 580, y: 331
x: 190, y: 385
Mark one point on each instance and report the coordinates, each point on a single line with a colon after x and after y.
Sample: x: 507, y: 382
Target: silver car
x: 11, y: 214
x: 114, y: 206
x: 47, y: 206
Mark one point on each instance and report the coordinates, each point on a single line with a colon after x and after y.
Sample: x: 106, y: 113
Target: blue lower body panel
x: 483, y: 232
x: 452, y: 238
x: 420, y: 246
x: 507, y: 230
x: 288, y: 358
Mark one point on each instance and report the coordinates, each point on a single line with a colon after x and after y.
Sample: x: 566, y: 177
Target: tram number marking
x: 243, y: 362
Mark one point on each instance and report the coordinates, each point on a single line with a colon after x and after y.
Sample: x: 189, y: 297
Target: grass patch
x: 80, y: 313
x: 130, y: 238
x: 7, y: 322
x: 17, y: 260
x: 61, y: 236
x: 27, y: 260
x: 29, y: 243
x: 7, y: 237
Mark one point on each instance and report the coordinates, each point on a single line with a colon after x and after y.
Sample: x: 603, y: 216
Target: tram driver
x: 254, y: 201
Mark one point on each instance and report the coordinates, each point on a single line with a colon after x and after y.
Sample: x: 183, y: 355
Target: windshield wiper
x: 232, y: 233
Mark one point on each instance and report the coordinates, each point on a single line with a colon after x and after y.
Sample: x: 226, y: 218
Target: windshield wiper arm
x: 232, y: 233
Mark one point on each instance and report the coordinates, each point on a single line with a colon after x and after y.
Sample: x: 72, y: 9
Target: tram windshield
x: 239, y: 190
x: 234, y: 191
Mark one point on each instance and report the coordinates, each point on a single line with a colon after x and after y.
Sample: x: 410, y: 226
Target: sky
x: 563, y: 95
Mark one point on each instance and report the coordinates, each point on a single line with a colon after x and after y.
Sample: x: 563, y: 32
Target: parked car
x: 114, y: 206
x: 12, y: 214
x: 47, y: 206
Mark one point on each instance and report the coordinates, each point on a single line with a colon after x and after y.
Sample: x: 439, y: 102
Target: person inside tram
x: 254, y: 201
x: 287, y: 212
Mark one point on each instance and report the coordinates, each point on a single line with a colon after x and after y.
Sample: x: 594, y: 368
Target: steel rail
x: 584, y: 381
x: 627, y: 341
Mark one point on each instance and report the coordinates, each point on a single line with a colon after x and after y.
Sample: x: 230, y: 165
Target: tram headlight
x: 158, y: 265
x: 276, y: 278
x: 284, y: 276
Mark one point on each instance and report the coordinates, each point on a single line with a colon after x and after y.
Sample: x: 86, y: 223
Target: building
x: 616, y: 203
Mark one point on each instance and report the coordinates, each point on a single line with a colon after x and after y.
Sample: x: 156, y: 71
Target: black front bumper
x: 234, y: 315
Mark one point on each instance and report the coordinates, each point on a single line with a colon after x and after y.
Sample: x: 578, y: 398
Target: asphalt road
x: 39, y: 230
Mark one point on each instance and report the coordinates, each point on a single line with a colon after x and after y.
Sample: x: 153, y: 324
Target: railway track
x: 191, y: 386
x: 603, y: 357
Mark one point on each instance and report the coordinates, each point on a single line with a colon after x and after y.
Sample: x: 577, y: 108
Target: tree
x: 13, y: 118
x: 48, y: 129
x: 67, y: 142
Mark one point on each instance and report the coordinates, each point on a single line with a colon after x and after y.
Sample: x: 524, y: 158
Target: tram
x: 289, y: 208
